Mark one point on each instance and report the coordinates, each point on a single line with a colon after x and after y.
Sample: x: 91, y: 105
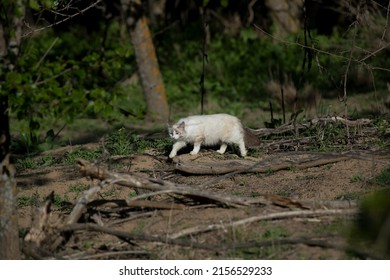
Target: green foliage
x: 223, y: 3
x: 33, y: 200
x: 372, y: 225
x: 78, y: 188
x: 123, y: 142
x: 356, y: 179
x: 58, y: 79
x: 275, y: 232
x: 383, y: 127
x: 32, y: 163
x: 62, y: 75
x: 349, y: 196
x: 237, y: 70
x: 61, y: 202
x: 26, y: 163
x: 329, y: 137
x: 87, y: 154
x: 383, y: 179
x: 238, y: 234
x: 120, y: 143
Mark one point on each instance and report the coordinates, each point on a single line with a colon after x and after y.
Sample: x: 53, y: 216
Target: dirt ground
x: 297, y: 237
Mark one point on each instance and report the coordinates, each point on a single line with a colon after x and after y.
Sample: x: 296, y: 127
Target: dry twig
x: 272, y: 216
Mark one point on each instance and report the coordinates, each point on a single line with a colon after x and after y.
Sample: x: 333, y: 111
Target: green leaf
x: 224, y: 3
x: 13, y: 78
x: 34, y: 4
x: 34, y: 125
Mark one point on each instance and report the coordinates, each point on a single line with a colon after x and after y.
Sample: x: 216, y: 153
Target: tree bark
x: 10, y: 31
x: 9, y: 235
x: 145, y: 53
x: 285, y: 15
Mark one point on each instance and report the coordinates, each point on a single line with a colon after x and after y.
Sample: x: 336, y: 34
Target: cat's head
x: 177, y: 131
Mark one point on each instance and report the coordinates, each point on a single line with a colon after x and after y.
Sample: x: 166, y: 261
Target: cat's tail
x: 251, y: 140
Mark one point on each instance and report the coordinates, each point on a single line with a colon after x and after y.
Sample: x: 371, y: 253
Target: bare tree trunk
x: 145, y: 53
x: 285, y: 15
x: 11, y: 21
x: 9, y: 234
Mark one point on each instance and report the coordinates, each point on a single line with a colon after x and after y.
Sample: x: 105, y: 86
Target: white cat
x: 207, y: 130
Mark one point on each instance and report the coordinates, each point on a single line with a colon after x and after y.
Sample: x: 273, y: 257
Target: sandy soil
x: 342, y: 181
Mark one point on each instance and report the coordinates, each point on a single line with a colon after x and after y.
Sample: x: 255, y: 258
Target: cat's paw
x: 193, y: 153
x: 172, y: 155
x: 221, y: 152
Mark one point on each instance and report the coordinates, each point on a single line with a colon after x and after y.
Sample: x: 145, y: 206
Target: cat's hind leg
x: 222, y: 149
x: 241, y: 145
x: 176, y: 147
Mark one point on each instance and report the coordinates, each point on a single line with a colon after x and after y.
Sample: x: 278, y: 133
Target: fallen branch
x: 309, y: 242
x: 117, y: 254
x: 152, y: 184
x: 218, y: 247
x: 265, y: 166
x: 291, y: 127
x: 330, y: 204
x: 131, y: 218
x: 138, y: 203
x: 82, y: 202
x: 38, y: 231
x: 272, y: 216
x: 135, y: 237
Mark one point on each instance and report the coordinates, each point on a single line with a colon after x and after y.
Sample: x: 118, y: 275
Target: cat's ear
x: 181, y: 126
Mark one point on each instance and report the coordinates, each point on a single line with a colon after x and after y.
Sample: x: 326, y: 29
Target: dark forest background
x: 76, y: 59
x: 135, y: 63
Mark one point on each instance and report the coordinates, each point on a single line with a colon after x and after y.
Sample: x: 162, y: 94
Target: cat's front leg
x: 222, y: 149
x: 176, y: 147
x: 196, y: 149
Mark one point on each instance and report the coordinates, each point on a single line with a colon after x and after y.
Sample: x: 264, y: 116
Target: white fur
x: 207, y: 130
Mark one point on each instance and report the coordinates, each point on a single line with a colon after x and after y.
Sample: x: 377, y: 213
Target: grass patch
x: 33, y: 200
x: 25, y: 164
x: 349, y: 196
x: 61, y: 202
x: 111, y: 192
x: 123, y: 142
x: 335, y: 227
x: 78, y: 188
x: 71, y: 157
x: 35, y: 162
x: 356, y: 179
x: 242, y: 235
x: 383, y: 179
x: 285, y: 193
